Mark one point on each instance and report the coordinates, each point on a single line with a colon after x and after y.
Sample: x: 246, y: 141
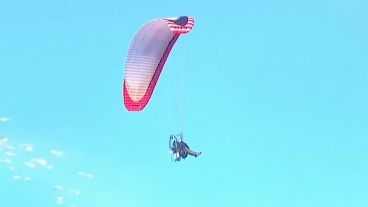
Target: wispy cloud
x: 41, y: 162
x: 22, y: 159
x: 58, y: 188
x: 6, y: 161
x: 73, y: 192
x: 12, y: 169
x: 87, y: 176
x: 30, y: 164
x: 6, y: 146
x: 27, y: 147
x: 18, y: 177
x: 4, y: 119
x: 60, y: 200
x: 56, y: 153
x: 38, y: 162
x: 9, y: 147
x: 10, y: 153
x: 3, y: 141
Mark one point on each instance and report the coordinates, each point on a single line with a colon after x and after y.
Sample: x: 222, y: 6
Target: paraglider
x: 179, y: 149
x: 147, y: 55
x: 146, y: 58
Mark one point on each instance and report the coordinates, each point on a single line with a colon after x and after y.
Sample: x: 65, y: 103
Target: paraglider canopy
x: 147, y: 55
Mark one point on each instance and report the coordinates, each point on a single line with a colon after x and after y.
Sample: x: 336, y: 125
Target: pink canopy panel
x: 147, y: 56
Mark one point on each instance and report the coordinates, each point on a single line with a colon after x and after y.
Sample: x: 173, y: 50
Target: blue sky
x: 273, y: 92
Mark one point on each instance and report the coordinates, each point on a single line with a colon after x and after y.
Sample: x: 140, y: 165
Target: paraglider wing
x: 147, y: 56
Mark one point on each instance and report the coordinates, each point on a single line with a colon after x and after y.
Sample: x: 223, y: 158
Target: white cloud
x: 73, y: 192
x: 39, y: 162
x: 17, y: 177
x: 56, y: 153
x: 6, y: 161
x: 87, y: 176
x: 12, y: 169
x: 3, y: 141
x: 27, y: 147
x: 42, y: 162
x: 4, y: 119
x: 60, y: 200
x: 10, y: 153
x: 30, y: 164
x: 9, y: 147
x: 58, y: 188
